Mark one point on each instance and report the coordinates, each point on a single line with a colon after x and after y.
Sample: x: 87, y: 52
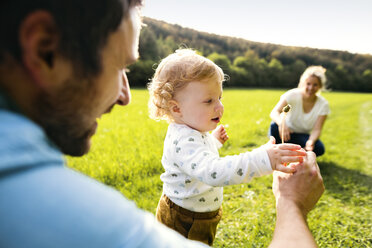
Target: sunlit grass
x: 127, y: 150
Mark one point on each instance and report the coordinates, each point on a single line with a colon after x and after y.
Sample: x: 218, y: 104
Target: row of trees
x: 250, y: 64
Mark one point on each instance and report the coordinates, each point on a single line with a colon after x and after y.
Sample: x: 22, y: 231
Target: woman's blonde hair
x: 173, y: 74
x: 316, y: 71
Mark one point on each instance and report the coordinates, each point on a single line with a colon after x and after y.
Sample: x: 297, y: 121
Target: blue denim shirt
x: 45, y: 204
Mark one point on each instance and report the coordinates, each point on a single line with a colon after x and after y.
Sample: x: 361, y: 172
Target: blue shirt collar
x: 23, y: 143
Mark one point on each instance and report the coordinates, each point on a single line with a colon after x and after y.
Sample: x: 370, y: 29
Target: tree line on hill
x: 248, y: 63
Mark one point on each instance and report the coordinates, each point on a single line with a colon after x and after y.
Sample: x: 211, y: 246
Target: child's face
x: 200, y: 105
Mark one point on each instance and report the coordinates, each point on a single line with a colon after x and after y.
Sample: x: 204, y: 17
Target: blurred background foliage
x: 248, y: 63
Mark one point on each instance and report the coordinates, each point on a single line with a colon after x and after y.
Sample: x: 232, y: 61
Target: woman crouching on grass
x: 309, y: 111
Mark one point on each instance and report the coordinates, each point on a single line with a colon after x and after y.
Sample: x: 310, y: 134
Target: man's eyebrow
x: 139, y: 3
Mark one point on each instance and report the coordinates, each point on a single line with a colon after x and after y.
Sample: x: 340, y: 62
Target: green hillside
x: 248, y: 63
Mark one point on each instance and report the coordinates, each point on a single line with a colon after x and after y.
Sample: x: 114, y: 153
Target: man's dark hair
x: 83, y: 25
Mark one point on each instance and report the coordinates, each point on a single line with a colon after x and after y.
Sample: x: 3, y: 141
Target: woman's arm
x: 275, y: 113
x: 277, y: 118
x: 315, y: 133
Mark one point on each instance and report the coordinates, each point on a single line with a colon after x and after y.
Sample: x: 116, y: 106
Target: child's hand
x: 284, y: 153
x: 220, y: 134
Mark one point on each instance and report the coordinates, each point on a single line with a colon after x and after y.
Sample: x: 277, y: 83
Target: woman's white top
x: 299, y: 121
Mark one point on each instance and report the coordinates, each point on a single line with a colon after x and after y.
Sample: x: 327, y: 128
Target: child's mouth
x: 217, y: 119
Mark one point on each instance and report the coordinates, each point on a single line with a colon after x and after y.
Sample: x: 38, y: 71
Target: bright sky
x: 332, y: 24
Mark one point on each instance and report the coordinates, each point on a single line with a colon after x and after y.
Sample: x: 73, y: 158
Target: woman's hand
x: 309, y: 145
x: 277, y: 116
x: 315, y: 133
x: 287, y: 132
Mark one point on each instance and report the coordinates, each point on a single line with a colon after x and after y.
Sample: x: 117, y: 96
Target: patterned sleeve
x: 196, y: 160
x: 217, y: 143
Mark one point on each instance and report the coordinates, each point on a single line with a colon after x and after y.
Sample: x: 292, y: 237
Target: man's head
x: 62, y: 62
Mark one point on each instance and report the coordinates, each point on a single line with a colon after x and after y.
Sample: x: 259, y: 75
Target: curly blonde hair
x: 316, y: 71
x: 173, y: 74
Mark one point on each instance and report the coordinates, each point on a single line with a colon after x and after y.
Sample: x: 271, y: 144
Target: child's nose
x: 219, y: 106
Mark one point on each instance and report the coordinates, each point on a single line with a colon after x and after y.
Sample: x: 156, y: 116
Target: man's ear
x: 175, y: 108
x: 39, y: 39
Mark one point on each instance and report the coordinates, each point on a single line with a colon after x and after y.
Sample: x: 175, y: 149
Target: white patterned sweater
x: 195, y: 173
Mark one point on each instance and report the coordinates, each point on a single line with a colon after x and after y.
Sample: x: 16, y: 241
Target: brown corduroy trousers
x: 192, y: 225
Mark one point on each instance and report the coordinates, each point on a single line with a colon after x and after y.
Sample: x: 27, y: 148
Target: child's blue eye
x: 208, y: 101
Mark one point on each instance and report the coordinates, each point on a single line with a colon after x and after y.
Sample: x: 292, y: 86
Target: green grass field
x: 127, y: 150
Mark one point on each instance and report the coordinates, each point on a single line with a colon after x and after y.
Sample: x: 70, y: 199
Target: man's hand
x: 303, y: 188
x: 296, y: 194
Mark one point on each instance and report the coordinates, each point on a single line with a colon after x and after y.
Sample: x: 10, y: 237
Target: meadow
x: 127, y: 150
